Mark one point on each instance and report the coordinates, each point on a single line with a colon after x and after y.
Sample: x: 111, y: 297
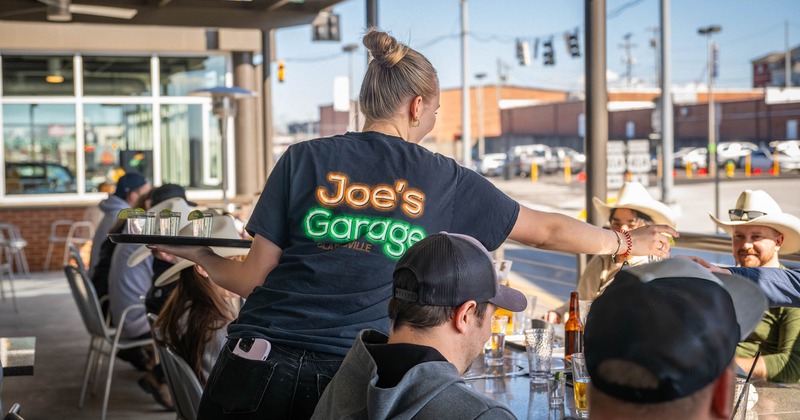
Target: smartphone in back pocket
x: 252, y: 348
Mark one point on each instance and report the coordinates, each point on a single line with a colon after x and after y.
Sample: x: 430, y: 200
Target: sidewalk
x: 48, y: 312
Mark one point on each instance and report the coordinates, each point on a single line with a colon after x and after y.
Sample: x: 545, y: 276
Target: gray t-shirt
x: 344, y: 209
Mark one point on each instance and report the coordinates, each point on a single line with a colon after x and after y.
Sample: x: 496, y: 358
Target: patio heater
x: 224, y: 103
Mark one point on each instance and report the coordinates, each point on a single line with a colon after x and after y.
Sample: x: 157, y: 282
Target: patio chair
x: 14, y: 245
x: 101, y: 336
x: 6, y: 271
x: 182, y: 382
x: 78, y: 233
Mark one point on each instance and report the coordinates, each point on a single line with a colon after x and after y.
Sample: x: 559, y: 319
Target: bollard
x: 747, y: 166
x: 688, y: 170
x: 567, y: 171
x: 729, y: 168
x: 534, y: 172
x: 776, y: 166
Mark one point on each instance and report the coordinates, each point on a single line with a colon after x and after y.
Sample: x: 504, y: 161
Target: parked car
x: 491, y: 164
x: 524, y: 156
x: 38, y: 178
x: 765, y: 160
x: 726, y: 151
x: 678, y: 159
x: 577, y: 160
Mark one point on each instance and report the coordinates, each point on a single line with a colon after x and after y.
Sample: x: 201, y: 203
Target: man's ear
x: 723, y: 399
x: 463, y: 314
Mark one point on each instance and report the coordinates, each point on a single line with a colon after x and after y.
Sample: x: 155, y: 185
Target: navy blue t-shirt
x: 344, y: 209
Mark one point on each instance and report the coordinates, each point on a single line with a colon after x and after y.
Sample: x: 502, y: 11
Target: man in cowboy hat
x: 759, y: 230
x: 633, y: 208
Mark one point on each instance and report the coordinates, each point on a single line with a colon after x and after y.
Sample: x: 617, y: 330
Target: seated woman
x: 633, y: 208
x: 194, y: 319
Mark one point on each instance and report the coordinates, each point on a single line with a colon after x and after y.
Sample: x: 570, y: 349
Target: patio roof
x: 253, y: 14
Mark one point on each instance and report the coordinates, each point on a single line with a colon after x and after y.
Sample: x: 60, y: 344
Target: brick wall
x: 34, y: 226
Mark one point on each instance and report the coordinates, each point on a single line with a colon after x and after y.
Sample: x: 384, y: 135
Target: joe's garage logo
x: 394, y: 236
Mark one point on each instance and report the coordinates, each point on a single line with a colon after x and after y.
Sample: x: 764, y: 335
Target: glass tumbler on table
x: 493, y: 350
x: 580, y: 381
x: 539, y: 347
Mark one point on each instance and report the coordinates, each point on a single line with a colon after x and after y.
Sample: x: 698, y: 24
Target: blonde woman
x: 335, y: 216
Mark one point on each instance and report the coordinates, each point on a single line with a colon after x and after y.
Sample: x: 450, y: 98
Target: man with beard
x: 759, y: 230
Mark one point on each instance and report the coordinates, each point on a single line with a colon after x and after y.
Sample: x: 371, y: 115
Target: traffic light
x: 573, y: 45
x: 547, y: 53
x: 523, y: 52
x: 281, y: 71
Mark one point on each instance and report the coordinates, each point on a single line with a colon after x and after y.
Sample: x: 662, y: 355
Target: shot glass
x: 740, y: 397
x: 150, y: 223
x: 493, y: 350
x: 169, y: 225
x: 580, y: 380
x: 201, y: 228
x: 556, y: 388
x: 136, y: 223
x: 539, y: 346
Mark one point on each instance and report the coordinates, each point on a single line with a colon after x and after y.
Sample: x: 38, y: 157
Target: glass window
x: 190, y: 153
x: 37, y: 76
x: 39, y: 145
x: 119, y: 76
x: 181, y: 75
x: 118, y: 139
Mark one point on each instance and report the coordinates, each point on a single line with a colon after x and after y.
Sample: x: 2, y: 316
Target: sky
x: 750, y: 29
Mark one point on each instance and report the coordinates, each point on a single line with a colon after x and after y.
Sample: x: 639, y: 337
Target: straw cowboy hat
x: 222, y: 227
x: 175, y: 204
x: 634, y: 196
x: 767, y: 213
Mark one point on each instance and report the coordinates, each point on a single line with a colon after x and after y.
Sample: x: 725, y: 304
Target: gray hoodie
x: 429, y: 390
x: 110, y: 207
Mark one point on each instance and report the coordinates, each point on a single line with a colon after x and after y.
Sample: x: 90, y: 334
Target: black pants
x: 285, y: 386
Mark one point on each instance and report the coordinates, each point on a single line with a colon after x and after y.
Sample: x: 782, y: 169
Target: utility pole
x: 667, y: 139
x: 712, y: 121
x: 788, y: 57
x: 479, y: 100
x: 628, y: 59
x: 351, y: 102
x: 654, y: 44
x: 466, y: 135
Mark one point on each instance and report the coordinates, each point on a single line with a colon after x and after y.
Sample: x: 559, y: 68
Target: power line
x: 619, y: 10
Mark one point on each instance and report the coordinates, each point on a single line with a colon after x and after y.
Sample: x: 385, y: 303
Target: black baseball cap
x: 167, y: 191
x: 128, y: 183
x: 451, y: 269
x: 673, y: 318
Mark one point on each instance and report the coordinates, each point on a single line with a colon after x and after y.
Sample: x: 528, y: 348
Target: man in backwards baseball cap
x: 445, y: 290
x: 660, y: 341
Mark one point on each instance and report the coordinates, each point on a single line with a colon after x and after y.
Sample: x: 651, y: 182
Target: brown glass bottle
x: 573, y: 329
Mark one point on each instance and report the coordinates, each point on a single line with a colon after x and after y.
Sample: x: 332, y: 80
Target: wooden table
x: 17, y: 355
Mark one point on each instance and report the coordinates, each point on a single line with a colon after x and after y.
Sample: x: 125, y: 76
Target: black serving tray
x: 124, y: 238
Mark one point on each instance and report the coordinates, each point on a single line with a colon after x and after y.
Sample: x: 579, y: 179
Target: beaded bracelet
x: 630, y: 242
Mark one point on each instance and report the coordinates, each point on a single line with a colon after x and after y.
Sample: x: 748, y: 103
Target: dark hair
x: 207, y: 313
x: 639, y: 215
x: 395, y: 74
x: 403, y: 312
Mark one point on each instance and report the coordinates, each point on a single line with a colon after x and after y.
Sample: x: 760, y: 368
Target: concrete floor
x: 48, y: 312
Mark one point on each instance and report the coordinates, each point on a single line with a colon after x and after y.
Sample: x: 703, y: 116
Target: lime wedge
x: 127, y: 213
x: 559, y: 375
x: 195, y: 214
x: 165, y: 213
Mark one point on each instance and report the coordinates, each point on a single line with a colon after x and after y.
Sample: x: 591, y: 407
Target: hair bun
x: 384, y: 48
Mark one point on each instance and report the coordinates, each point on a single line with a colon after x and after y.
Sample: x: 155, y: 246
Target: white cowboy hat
x: 772, y: 216
x: 222, y: 227
x: 175, y: 204
x: 634, y: 196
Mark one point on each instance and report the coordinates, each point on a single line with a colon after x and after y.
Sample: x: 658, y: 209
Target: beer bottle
x: 573, y: 329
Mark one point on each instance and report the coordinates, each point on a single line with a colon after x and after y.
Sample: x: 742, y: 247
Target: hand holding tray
x: 124, y: 238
